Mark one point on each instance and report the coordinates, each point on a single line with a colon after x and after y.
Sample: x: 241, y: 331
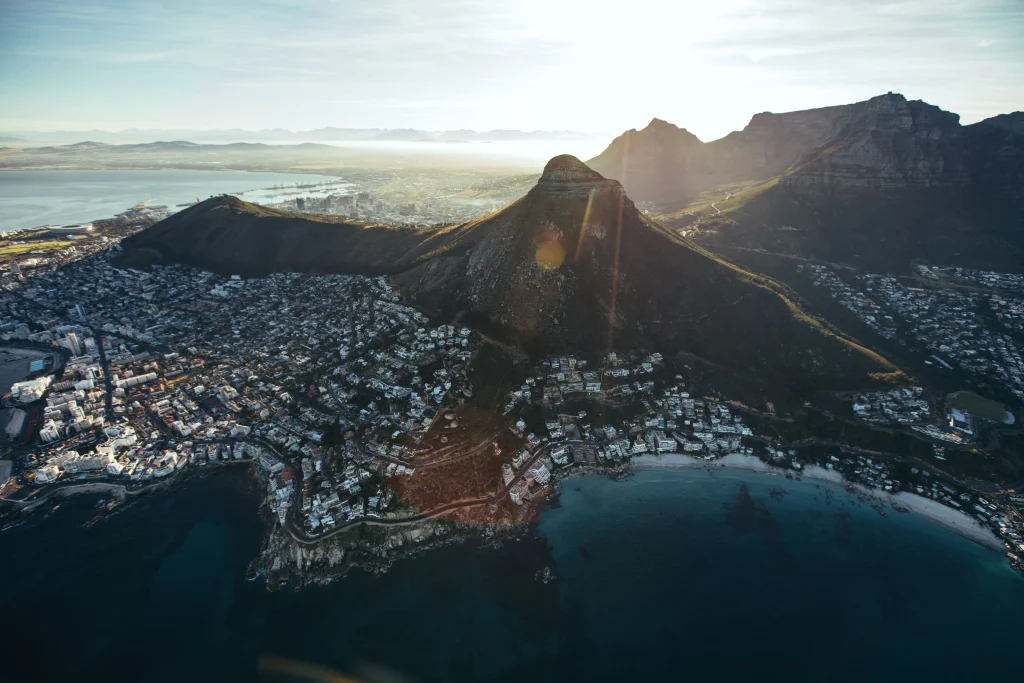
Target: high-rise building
x: 73, y: 344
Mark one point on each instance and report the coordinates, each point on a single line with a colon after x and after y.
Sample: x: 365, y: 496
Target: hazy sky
x: 530, y: 64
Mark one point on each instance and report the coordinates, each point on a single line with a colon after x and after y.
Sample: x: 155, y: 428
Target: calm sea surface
x: 33, y: 198
x: 675, y: 576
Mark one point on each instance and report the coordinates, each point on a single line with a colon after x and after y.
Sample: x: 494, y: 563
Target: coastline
x: 955, y: 520
x: 120, y: 491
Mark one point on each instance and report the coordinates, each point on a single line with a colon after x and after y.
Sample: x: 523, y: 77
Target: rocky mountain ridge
x: 883, y: 183
x: 885, y: 143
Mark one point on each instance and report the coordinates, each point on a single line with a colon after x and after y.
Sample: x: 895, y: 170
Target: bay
x: 49, y: 197
x: 678, y: 575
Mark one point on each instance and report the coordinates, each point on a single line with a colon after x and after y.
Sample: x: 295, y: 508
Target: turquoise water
x: 32, y: 198
x: 669, y: 575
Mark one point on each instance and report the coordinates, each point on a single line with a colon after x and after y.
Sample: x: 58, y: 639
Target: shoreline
x: 121, y: 491
x: 954, y: 520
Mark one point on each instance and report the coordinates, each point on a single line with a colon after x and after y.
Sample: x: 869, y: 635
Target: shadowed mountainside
x: 881, y: 183
x: 573, y: 265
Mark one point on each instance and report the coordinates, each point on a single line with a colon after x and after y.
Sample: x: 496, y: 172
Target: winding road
x: 728, y: 196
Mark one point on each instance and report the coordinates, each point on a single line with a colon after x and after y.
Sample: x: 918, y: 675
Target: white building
x: 72, y: 344
x: 31, y: 390
x: 47, y: 473
x: 50, y: 432
x: 88, y: 463
x: 540, y: 473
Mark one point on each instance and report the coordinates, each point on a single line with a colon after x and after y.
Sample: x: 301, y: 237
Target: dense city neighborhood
x: 970, y: 328
x: 350, y: 402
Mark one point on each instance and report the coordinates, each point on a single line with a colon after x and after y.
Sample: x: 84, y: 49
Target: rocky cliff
x: 882, y: 182
x: 887, y: 142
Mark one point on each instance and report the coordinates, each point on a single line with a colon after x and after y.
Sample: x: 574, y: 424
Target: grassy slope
x: 10, y: 249
x: 726, y: 198
x: 790, y: 298
x: 977, y: 405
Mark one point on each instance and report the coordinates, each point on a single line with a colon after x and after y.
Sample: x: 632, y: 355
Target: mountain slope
x: 888, y: 143
x: 900, y: 181
x: 879, y: 183
x: 573, y: 265
x: 669, y: 166
x: 227, y: 235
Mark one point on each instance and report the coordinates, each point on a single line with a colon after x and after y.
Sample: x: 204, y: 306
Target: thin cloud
x: 567, y: 64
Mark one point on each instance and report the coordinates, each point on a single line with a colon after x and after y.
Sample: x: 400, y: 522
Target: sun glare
x: 550, y: 254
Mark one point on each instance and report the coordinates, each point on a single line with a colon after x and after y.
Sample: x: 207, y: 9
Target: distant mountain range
x: 280, y: 135
x: 305, y: 157
x: 573, y: 265
x: 881, y: 182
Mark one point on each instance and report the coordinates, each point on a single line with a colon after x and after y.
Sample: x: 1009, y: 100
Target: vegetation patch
x: 10, y: 248
x: 977, y: 405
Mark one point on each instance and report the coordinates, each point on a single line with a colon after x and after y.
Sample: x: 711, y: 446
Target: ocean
x: 667, y: 575
x: 51, y: 197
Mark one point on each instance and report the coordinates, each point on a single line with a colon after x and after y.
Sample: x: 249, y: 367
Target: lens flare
x: 583, y: 229
x: 550, y: 254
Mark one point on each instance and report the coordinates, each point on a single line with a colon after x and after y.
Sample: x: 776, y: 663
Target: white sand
x: 681, y: 461
x: 951, y: 518
x: 823, y: 474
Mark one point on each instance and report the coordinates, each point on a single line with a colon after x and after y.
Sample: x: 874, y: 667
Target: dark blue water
x: 666, y: 576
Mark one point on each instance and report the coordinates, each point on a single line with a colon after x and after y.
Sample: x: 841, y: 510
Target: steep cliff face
x: 882, y: 182
x: 770, y: 144
x: 887, y: 143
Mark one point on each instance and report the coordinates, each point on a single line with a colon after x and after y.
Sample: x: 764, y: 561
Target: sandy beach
x: 681, y: 461
x: 952, y: 519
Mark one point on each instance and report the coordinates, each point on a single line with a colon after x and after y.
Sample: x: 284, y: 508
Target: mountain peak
x: 216, y: 202
x: 565, y: 174
x: 889, y: 97
x: 566, y: 163
x: 661, y: 127
x: 661, y: 123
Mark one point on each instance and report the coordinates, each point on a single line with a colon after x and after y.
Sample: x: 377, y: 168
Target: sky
x: 585, y: 65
